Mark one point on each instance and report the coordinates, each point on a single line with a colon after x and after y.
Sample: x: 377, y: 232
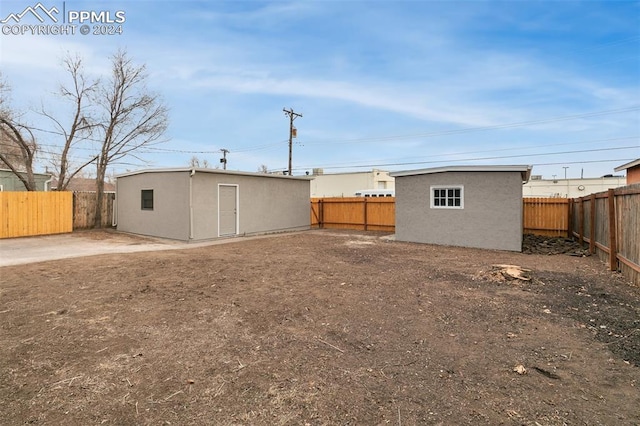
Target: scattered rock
x: 520, y: 369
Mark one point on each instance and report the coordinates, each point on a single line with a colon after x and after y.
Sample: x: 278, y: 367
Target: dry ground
x: 318, y: 328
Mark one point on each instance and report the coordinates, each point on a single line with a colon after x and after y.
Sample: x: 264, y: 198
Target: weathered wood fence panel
x: 359, y: 213
x: 84, y: 207
x: 627, y: 231
x: 546, y: 216
x: 609, y: 223
x: 28, y: 213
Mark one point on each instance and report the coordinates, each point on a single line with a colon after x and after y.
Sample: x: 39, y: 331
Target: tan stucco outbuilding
x: 203, y: 204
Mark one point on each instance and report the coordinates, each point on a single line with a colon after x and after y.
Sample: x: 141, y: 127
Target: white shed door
x: 227, y: 210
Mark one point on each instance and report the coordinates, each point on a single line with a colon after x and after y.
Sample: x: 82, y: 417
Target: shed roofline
x: 525, y: 170
x: 627, y: 165
x: 212, y: 171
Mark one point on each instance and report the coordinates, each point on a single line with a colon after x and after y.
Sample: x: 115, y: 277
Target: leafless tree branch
x: 78, y: 93
x: 132, y: 117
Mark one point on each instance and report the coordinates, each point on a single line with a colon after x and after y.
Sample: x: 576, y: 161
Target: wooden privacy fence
x: 609, y: 223
x: 547, y: 217
x: 542, y: 216
x: 360, y: 213
x: 28, y: 213
x: 84, y: 208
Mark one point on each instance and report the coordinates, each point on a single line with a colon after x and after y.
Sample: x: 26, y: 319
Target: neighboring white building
x: 570, y: 188
x: 347, y: 184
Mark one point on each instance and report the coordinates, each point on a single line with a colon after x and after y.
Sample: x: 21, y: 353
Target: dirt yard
x: 318, y: 328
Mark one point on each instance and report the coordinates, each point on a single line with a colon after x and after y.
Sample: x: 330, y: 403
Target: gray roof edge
x: 522, y: 168
x: 627, y: 165
x: 213, y: 171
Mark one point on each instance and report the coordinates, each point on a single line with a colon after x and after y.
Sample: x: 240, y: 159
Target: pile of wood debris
x: 536, y: 244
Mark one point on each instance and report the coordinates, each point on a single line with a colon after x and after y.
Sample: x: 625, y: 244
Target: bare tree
x: 131, y: 118
x: 18, y: 151
x: 263, y: 168
x: 196, y: 162
x: 78, y: 93
x: 17, y: 144
x: 5, y: 91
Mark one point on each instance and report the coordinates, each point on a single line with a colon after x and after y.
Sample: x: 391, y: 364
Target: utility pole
x: 223, y: 160
x: 292, y: 116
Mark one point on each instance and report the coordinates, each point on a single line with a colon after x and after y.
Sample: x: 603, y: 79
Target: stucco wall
x: 170, y: 215
x: 266, y: 204
x: 491, y: 217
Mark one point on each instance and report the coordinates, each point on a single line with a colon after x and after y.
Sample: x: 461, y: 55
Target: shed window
x: 447, y: 197
x: 147, y: 199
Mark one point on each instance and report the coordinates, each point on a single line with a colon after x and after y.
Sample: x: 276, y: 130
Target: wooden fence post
x: 570, y: 218
x: 581, y: 221
x: 613, y: 243
x: 592, y: 225
x: 320, y: 214
x: 365, y: 212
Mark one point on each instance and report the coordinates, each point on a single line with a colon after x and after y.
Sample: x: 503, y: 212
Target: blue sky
x: 385, y: 84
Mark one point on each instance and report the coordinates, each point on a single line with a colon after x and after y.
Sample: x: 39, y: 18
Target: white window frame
x: 432, y: 189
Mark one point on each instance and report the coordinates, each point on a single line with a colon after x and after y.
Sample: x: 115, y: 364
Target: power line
x: 246, y: 149
x: 412, y: 163
x: 171, y: 151
x: 158, y: 150
x: 518, y: 148
x: 391, y: 137
x: 260, y: 147
x: 378, y: 163
x: 619, y: 160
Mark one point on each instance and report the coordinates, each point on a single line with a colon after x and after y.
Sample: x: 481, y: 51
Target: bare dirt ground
x: 318, y: 328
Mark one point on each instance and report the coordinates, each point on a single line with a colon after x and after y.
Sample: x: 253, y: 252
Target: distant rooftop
x: 629, y: 165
